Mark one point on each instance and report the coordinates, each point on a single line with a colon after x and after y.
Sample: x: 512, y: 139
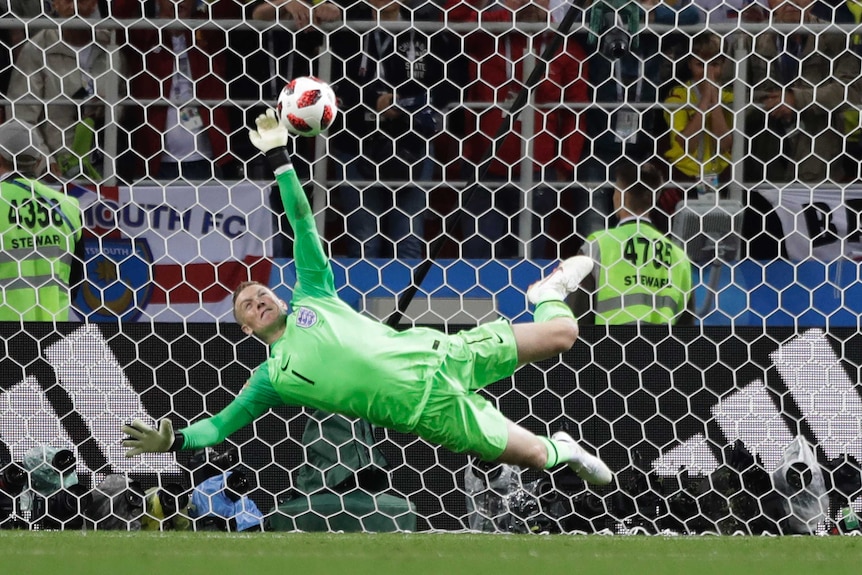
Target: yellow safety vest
x: 39, y: 228
x: 643, y: 277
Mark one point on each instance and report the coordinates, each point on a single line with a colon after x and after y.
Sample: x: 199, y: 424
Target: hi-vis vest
x: 39, y: 228
x: 642, y: 276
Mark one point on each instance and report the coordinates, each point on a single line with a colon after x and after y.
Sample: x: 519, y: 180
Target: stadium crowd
x: 172, y: 103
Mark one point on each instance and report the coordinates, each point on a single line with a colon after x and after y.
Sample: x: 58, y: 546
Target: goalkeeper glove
x: 144, y: 439
x: 271, y: 138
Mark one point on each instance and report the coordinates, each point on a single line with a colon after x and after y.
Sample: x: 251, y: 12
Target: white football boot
x: 562, y: 281
x: 588, y: 467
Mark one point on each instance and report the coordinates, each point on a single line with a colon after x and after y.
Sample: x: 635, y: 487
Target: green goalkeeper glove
x: 271, y: 138
x: 144, y: 439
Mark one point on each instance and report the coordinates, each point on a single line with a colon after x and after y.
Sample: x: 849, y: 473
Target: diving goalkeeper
x: 325, y: 355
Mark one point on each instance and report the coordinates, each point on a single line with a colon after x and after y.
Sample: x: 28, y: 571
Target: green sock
x: 548, y: 310
x: 557, y: 452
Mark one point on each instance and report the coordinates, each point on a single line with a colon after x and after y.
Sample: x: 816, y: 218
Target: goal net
x: 474, y: 147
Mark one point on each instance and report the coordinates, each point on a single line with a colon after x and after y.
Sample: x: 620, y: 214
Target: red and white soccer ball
x: 307, y: 106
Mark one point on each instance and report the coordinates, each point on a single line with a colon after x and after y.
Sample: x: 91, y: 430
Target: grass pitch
x: 72, y: 553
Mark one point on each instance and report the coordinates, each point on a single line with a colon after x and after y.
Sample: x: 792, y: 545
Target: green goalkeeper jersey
x: 334, y: 359
x: 330, y: 357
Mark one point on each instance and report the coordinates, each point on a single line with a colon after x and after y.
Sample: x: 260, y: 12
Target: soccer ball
x: 306, y: 106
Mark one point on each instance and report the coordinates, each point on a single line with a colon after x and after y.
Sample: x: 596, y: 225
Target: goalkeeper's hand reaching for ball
x: 271, y: 138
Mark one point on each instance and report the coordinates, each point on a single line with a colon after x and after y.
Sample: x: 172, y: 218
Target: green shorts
x: 455, y: 416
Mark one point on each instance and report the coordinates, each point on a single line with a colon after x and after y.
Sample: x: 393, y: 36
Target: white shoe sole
x: 588, y: 467
x: 562, y: 281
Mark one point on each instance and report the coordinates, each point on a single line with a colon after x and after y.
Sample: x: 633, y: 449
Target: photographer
x: 392, y: 100
x: 628, y: 69
x: 71, y: 71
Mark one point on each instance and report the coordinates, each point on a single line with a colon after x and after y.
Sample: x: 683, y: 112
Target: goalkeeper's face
x: 260, y: 312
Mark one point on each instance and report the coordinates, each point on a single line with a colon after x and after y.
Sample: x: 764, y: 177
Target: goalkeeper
x: 325, y: 355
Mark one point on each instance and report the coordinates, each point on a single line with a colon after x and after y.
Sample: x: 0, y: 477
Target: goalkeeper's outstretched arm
x: 313, y: 272
x: 141, y: 438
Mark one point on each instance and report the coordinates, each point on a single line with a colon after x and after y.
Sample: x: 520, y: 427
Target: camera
x: 616, y: 40
x: 615, y: 43
x: 117, y: 503
x: 220, y: 504
x: 172, y: 498
x: 206, y: 463
x: 63, y: 461
x: 61, y: 510
x: 166, y: 508
x: 237, y: 485
x: 13, y: 480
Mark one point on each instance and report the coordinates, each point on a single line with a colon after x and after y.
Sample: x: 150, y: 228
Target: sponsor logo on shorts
x: 305, y: 317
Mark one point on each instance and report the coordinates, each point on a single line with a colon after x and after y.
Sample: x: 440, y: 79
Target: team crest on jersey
x: 305, y: 317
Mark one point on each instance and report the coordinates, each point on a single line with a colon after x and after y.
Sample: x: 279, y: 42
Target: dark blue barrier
x: 748, y: 293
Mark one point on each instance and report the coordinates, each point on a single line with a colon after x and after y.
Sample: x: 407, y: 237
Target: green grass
x: 70, y: 553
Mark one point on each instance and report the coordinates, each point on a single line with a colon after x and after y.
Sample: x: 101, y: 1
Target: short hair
x: 638, y: 184
x: 707, y: 46
x: 237, y: 291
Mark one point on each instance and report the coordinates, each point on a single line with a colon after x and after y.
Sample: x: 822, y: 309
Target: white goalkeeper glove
x: 269, y: 134
x: 271, y: 138
x: 144, y: 439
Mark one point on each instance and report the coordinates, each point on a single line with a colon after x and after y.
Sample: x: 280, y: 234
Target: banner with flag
x: 171, y: 253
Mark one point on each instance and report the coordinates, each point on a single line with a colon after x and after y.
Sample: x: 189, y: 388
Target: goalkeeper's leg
x: 555, y: 328
x: 526, y: 449
x: 466, y: 422
x: 497, y: 351
x: 554, y: 331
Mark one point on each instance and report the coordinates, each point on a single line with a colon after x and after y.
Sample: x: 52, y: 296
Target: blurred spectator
x: 731, y: 11
x: 184, y: 65
x: 394, y: 111
x: 700, y: 116
x: 625, y: 85
x: 850, y: 12
x: 12, y: 38
x: 40, y: 232
x: 497, y: 73
x: 271, y: 57
x: 673, y: 45
x: 290, y: 49
x: 305, y: 17
x: 75, y: 75
x: 679, y: 12
x: 640, y: 276
x: 803, y: 82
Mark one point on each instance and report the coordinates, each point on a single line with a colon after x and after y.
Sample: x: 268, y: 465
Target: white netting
x: 749, y: 421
